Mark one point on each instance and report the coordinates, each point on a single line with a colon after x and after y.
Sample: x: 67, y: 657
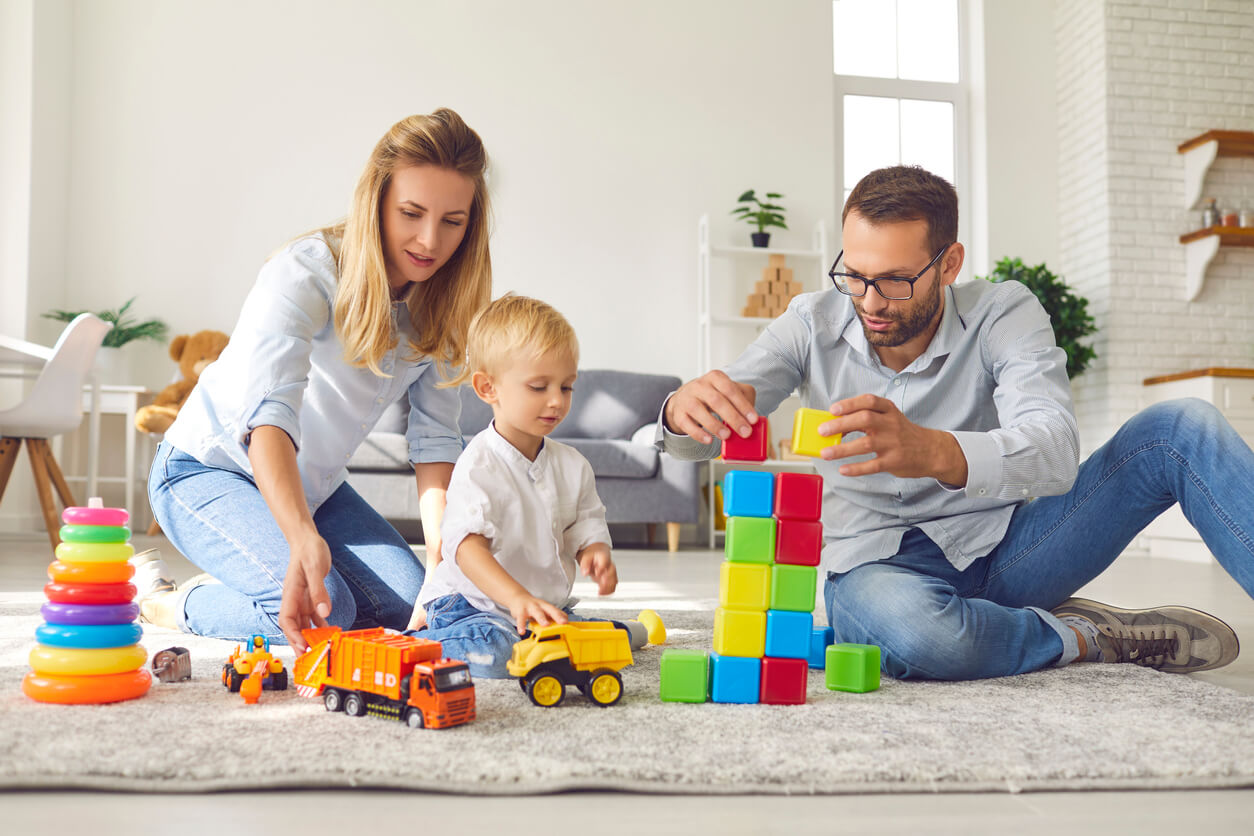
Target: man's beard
x: 910, y: 324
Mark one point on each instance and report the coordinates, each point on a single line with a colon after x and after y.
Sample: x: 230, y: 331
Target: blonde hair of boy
x: 517, y: 325
x: 440, y: 308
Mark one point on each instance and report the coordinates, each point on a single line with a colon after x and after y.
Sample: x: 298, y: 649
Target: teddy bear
x: 192, y: 353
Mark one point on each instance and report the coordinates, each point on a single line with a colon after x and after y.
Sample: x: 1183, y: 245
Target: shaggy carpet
x: 1083, y: 727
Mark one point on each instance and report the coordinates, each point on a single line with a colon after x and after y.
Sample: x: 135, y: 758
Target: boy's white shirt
x: 536, y: 515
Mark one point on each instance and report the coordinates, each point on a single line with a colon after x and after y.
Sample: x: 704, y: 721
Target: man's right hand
x: 694, y: 410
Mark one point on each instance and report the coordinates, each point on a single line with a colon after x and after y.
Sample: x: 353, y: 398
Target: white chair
x: 54, y: 406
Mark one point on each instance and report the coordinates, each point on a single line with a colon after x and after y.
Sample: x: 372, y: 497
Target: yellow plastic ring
x: 83, y: 661
x: 95, y: 552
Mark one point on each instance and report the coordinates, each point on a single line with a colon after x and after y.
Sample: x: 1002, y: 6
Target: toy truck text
x: 587, y: 654
x: 385, y: 674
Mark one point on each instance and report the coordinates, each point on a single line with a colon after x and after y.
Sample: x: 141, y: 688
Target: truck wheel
x: 605, y: 688
x: 546, y: 690
x: 354, y: 705
x: 277, y: 681
x: 333, y: 700
x: 413, y: 718
x: 231, y: 678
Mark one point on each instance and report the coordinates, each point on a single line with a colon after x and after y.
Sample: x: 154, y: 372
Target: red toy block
x: 751, y: 449
x: 799, y: 542
x: 784, y: 681
x: 799, y: 496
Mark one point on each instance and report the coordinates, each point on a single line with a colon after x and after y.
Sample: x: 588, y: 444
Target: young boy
x: 523, y: 512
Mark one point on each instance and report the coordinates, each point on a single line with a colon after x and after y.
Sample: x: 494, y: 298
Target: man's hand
x: 901, y: 447
x: 694, y: 410
x: 526, y: 607
x: 305, y: 600
x: 595, y: 563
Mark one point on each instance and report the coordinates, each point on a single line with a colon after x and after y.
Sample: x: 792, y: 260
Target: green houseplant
x: 125, y: 328
x: 760, y: 213
x: 1068, y: 313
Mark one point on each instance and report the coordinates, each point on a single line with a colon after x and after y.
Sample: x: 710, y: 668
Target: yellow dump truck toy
x: 587, y: 654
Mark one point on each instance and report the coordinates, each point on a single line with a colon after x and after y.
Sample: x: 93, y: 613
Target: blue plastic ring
x: 93, y: 636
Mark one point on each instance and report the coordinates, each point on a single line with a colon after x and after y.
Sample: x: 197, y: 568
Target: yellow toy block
x: 744, y: 585
x: 739, y: 632
x: 806, y: 440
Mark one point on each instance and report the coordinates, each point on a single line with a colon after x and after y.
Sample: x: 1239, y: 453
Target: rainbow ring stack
x: 88, y: 650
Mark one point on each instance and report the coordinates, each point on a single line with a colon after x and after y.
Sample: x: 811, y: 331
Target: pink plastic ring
x: 78, y: 515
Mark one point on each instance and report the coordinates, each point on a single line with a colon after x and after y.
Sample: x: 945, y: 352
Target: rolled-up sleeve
x: 468, y: 512
x: 432, y: 432
x: 589, y: 526
x: 283, y: 313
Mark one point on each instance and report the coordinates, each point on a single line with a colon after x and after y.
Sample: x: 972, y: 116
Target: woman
x: 249, y: 482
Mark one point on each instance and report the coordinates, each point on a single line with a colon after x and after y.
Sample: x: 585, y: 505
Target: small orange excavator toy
x: 248, y: 672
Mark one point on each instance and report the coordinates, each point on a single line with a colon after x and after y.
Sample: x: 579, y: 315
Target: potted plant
x: 125, y: 329
x: 1068, y: 313
x: 761, y: 214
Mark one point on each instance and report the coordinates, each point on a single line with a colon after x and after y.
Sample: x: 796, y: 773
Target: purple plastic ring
x: 54, y: 613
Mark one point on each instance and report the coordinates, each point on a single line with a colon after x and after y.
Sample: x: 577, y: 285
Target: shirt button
x: 363, y: 426
x: 982, y: 491
x: 896, y: 381
x: 378, y: 400
x: 1024, y: 492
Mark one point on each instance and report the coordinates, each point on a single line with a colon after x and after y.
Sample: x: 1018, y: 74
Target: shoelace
x: 1149, y: 649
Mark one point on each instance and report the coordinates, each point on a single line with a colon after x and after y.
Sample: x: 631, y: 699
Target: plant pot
x: 110, y: 366
x: 760, y: 239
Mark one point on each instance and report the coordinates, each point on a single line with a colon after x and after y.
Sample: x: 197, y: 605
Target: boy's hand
x: 526, y: 608
x: 595, y: 563
x: 418, y: 620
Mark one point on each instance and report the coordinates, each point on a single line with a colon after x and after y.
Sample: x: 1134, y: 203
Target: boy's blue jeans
x: 483, y: 640
x: 934, y: 622
x: 219, y: 520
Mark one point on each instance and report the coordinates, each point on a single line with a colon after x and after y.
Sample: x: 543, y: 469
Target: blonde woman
x: 249, y: 482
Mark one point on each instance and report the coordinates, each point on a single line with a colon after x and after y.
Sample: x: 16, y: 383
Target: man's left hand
x: 901, y: 447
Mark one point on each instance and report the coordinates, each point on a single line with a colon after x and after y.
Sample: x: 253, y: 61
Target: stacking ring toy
x: 86, y: 661
x: 90, y: 572
x: 78, y: 515
x: 80, y: 614
x: 95, y: 533
x: 89, y: 593
x: 95, y: 552
x: 88, y: 635
x: 113, y: 687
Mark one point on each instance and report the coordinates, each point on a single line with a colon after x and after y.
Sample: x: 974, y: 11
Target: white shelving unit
x: 810, y: 270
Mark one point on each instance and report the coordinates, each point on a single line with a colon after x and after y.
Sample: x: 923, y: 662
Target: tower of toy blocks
x: 771, y: 295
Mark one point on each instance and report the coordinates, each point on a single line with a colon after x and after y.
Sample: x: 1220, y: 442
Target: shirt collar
x: 513, y: 456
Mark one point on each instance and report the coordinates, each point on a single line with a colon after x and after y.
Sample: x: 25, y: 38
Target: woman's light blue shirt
x: 285, y: 367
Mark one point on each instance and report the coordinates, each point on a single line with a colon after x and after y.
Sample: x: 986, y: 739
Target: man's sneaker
x: 152, y: 576
x: 1171, y: 639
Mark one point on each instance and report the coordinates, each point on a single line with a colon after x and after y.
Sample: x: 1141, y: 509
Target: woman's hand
x: 305, y: 600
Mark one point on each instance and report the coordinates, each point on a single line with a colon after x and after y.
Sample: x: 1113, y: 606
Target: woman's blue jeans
x: 219, y: 521
x: 934, y: 622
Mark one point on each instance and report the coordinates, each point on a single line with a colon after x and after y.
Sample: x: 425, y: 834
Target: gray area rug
x: 1083, y: 727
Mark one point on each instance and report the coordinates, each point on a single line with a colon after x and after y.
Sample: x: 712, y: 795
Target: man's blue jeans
x: 220, y: 522
x: 934, y: 622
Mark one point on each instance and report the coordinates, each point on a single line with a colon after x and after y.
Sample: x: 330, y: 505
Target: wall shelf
x: 1200, y: 151
x: 1200, y: 247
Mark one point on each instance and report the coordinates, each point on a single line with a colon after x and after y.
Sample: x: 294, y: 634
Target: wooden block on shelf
x: 785, y: 274
x: 762, y: 287
x: 793, y: 288
x: 757, y: 300
x: 775, y: 260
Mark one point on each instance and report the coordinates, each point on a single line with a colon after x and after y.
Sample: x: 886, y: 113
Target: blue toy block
x: 788, y: 634
x: 734, y: 679
x: 748, y: 493
x: 820, y: 638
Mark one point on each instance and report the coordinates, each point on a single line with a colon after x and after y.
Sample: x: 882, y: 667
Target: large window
x: 900, y: 89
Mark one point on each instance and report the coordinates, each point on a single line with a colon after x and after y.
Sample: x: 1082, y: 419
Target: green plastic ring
x: 95, y: 533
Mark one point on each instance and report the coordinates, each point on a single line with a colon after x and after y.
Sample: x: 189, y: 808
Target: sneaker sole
x: 1229, y: 650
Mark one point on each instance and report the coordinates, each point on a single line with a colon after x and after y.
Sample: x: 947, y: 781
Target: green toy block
x: 750, y: 540
x: 745, y: 586
x: 739, y: 632
x: 853, y: 667
x: 685, y: 675
x: 793, y: 587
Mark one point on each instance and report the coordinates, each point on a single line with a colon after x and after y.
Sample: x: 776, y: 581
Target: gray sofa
x: 610, y: 423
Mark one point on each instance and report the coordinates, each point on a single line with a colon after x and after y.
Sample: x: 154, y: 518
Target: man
x: 956, y: 521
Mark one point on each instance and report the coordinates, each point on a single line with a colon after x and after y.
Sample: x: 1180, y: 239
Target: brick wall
x: 1135, y: 79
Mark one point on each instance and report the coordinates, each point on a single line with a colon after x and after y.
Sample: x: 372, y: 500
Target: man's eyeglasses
x: 897, y: 288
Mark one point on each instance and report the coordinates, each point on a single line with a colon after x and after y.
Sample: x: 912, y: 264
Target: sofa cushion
x: 617, y: 459
x: 382, y: 452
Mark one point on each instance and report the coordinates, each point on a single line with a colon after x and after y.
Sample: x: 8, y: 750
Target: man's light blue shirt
x: 285, y: 367
x: 992, y: 376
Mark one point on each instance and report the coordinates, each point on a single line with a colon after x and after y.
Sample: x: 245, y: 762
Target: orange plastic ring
x: 89, y: 593
x: 90, y: 572
x: 95, y: 552
x: 86, y: 661
x: 113, y: 687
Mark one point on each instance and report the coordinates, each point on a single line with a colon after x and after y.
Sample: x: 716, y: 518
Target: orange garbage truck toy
x: 385, y: 674
x: 587, y: 654
x: 250, y: 671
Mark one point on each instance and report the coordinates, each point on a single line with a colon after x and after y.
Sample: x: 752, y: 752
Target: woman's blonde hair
x: 515, y: 326
x: 441, y: 307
